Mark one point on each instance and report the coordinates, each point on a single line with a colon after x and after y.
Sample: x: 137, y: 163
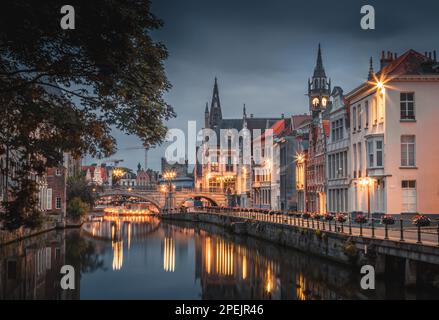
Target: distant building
x: 96, y: 174
x: 224, y: 170
x: 181, y: 169
x: 128, y: 180
x: 146, y: 179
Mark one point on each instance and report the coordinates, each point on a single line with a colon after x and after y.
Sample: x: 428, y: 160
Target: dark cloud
x: 264, y: 51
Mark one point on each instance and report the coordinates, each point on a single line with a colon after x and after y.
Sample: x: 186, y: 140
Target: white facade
x: 337, y: 157
x: 395, y: 158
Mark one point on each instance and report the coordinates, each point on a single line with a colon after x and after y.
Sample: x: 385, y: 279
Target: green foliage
x: 23, y: 210
x: 76, y: 208
x: 64, y: 91
x: 78, y: 187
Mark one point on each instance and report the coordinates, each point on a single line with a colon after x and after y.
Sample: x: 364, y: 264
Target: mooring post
x: 401, y: 227
x: 373, y: 228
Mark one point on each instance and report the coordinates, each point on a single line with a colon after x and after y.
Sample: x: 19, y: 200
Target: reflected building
x: 31, y: 269
x: 227, y: 270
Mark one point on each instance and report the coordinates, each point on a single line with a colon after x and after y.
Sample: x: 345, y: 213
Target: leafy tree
x: 76, y: 208
x: 64, y: 90
x: 78, y: 187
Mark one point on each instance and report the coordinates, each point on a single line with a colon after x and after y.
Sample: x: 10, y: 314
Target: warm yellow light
x: 118, y: 172
x: 324, y: 102
x: 130, y: 189
x: 300, y: 158
x: 169, y: 175
x: 366, y: 181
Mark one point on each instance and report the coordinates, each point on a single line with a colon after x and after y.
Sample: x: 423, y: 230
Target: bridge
x: 161, y: 200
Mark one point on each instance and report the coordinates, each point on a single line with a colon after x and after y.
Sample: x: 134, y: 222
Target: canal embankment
x: 413, y: 261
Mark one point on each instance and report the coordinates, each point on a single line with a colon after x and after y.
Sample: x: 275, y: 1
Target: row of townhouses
x: 51, y: 185
x: 370, y: 150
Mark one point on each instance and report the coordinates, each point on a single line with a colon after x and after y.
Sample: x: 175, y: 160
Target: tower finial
x: 371, y: 72
x: 244, y: 113
x: 319, y: 71
x: 207, y: 108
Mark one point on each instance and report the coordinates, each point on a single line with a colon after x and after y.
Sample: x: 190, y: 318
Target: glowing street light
x: 367, y: 182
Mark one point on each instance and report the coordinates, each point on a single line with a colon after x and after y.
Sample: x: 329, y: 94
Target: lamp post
x: 169, y: 175
x: 366, y: 182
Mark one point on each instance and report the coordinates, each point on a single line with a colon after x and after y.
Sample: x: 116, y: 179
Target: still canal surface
x: 145, y: 258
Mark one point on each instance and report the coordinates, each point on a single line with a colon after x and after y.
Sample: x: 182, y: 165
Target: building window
x: 370, y: 153
x: 407, y: 106
x: 229, y: 165
x: 58, y: 203
x: 359, y: 114
x: 379, y: 153
x: 355, y: 159
x: 360, y: 160
x: 408, y: 151
x: 49, y: 199
x: 337, y: 130
x: 374, y: 153
x: 58, y: 171
x: 366, y: 114
x: 375, y: 110
x: 354, y: 118
x: 408, y: 196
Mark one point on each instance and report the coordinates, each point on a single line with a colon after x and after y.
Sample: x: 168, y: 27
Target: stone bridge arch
x: 214, y: 199
x: 146, y: 197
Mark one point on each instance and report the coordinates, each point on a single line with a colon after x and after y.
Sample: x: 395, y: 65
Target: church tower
x: 206, y: 116
x: 215, y: 114
x: 319, y: 88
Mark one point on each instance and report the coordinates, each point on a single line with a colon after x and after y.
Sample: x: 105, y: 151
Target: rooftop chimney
x: 251, y: 115
x: 386, y: 58
x: 283, y: 116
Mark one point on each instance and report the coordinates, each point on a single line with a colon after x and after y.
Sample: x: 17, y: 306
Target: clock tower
x: 319, y: 88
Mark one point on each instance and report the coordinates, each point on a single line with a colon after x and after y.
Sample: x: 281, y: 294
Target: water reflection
x: 144, y: 258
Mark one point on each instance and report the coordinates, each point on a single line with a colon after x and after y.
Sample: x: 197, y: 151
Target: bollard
x: 401, y: 230
x: 342, y: 227
x: 323, y: 225
x: 335, y: 225
x: 438, y: 232
x: 329, y: 225
x: 361, y: 229
x: 386, y: 232
x: 419, y: 235
x: 312, y: 223
x: 350, y: 226
x: 373, y: 228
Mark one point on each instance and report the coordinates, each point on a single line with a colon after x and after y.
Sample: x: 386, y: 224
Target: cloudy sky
x: 264, y: 51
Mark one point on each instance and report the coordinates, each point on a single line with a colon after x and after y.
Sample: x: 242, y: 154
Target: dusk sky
x: 263, y: 52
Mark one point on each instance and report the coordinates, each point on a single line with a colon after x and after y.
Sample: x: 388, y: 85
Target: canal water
x: 145, y: 258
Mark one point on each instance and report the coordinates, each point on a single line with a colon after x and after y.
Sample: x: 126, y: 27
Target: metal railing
x: 401, y: 230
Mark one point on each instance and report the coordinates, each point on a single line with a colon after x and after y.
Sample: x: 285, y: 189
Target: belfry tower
x: 319, y: 88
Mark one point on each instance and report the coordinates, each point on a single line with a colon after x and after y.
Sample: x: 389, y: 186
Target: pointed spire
x: 215, y: 106
x: 319, y: 71
x: 244, y: 113
x: 207, y: 108
x: 371, y: 73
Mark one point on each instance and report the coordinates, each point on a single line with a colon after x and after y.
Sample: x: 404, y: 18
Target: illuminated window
x: 315, y: 102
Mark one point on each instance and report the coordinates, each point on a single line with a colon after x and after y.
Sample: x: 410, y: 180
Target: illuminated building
x: 393, y: 120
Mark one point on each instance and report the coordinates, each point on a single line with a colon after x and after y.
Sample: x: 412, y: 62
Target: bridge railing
x: 425, y: 231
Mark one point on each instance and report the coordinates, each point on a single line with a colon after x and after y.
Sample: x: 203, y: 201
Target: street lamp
x: 366, y: 182
x: 169, y: 175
